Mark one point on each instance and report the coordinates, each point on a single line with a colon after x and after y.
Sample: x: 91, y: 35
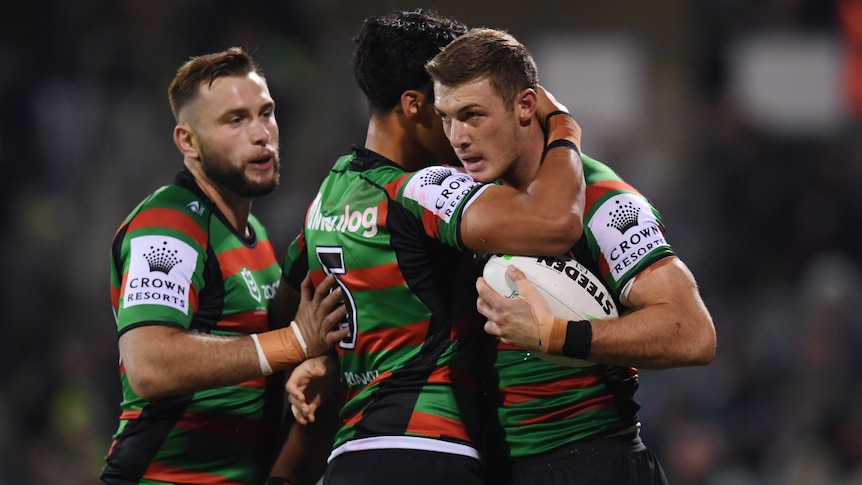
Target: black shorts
x: 606, y: 461
x: 403, y: 467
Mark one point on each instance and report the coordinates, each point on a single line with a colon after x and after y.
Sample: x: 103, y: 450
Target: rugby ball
x: 572, y: 291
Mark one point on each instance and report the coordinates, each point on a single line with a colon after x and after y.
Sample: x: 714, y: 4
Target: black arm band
x: 579, y: 339
x: 562, y: 142
x: 554, y: 113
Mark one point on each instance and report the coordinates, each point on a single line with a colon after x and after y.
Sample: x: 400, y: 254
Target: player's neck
x: 387, y: 137
x: 523, y: 170
x: 234, y: 207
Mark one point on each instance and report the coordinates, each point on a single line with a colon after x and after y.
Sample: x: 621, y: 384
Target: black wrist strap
x: 579, y: 339
x: 563, y: 142
x: 554, y: 113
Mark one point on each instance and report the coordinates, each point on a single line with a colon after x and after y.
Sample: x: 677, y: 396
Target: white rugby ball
x: 572, y: 291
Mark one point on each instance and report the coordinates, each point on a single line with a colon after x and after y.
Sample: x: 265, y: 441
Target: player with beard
x: 193, y: 273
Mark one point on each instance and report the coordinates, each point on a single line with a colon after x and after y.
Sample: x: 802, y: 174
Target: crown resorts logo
x: 162, y: 259
x: 439, y: 190
x: 624, y: 217
x: 434, y: 177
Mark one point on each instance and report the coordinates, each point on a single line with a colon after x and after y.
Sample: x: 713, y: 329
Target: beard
x: 223, y: 173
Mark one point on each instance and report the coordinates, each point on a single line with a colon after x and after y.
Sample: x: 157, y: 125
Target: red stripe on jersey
x: 431, y: 223
x: 234, y: 260
x: 170, y: 218
x: 392, y: 188
x: 362, y: 279
x: 258, y: 382
x: 354, y: 419
x: 382, y: 214
x: 235, y: 428
x: 130, y: 414
x: 246, y: 322
x: 597, y: 190
x: 524, y: 393
x: 300, y: 241
x: 115, y: 296
x: 171, y: 474
x: 571, y: 411
x: 425, y: 424
x: 411, y: 335
x: 448, y: 375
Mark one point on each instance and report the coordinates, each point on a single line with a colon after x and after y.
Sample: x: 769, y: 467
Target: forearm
x: 162, y: 361
x: 546, y: 218
x: 652, y: 338
x: 558, y: 189
x: 669, y: 327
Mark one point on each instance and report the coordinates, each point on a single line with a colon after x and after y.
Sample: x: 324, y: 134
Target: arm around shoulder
x: 544, y: 219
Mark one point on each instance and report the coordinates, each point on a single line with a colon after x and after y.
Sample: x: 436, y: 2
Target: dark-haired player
x: 397, y: 243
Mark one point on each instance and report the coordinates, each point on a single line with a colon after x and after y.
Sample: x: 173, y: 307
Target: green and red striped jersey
x: 411, y: 365
x: 176, y: 261
x: 542, y: 405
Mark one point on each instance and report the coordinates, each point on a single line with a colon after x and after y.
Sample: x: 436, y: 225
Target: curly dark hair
x: 391, y: 52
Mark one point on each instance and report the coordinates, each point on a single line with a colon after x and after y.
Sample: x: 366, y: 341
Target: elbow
x: 703, y: 351
x: 146, y: 384
x: 571, y: 228
x: 705, y: 357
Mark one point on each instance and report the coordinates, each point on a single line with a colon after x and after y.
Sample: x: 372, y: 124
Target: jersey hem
x: 404, y: 443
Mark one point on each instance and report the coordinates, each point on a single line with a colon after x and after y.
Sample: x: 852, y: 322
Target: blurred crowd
x: 768, y: 221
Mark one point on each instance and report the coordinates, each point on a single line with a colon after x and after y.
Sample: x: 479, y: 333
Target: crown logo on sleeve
x: 624, y: 217
x: 162, y: 259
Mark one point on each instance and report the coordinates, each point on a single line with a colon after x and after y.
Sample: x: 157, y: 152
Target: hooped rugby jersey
x: 176, y: 261
x: 623, y: 234
x: 411, y: 362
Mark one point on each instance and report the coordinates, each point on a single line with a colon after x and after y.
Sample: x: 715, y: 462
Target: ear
x: 186, y: 142
x: 411, y: 104
x: 525, y: 104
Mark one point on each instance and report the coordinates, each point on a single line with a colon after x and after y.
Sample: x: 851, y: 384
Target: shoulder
x: 606, y: 190
x: 437, y: 187
x: 171, y: 210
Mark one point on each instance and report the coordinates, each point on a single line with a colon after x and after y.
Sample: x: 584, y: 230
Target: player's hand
x: 320, y: 311
x: 560, y: 126
x: 525, y: 321
x: 308, y: 386
x: 546, y: 105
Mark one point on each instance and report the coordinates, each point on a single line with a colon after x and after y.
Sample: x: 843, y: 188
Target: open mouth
x: 262, y: 161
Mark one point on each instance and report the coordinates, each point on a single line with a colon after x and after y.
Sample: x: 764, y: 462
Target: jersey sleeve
x: 159, y: 261
x: 624, y: 230
x: 438, y: 196
x: 295, y: 264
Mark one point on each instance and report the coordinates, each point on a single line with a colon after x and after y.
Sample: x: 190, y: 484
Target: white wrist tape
x: 295, y: 327
x: 265, y: 369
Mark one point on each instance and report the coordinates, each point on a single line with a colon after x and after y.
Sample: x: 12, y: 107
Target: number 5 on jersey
x: 331, y: 259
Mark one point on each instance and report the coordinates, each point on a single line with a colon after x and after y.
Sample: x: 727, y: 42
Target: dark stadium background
x: 760, y: 199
